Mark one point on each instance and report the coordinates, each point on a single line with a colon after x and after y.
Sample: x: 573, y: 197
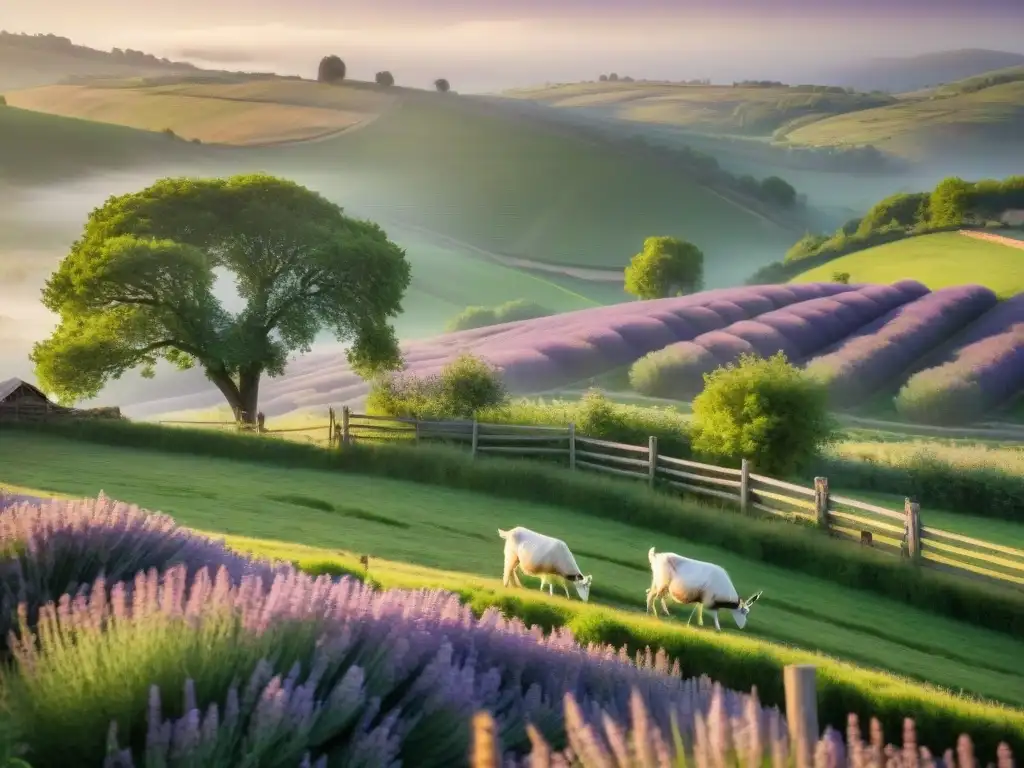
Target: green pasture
x: 939, y: 261
x: 457, y: 531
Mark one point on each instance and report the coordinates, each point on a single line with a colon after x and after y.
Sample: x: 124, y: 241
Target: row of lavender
x: 141, y: 643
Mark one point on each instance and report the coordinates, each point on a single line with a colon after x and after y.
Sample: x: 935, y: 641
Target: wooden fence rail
x: 899, y: 533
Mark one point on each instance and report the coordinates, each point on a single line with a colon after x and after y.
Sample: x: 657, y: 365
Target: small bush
x: 442, y: 86
x: 841, y: 277
x: 464, y: 387
x: 3, y: 100
x: 385, y: 79
x: 765, y: 410
x: 509, y: 312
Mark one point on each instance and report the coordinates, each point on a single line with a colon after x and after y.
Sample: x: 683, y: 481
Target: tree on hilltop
x: 384, y: 78
x: 332, y: 69
x: 665, y: 267
x: 778, y: 191
x: 138, y: 286
x: 442, y: 85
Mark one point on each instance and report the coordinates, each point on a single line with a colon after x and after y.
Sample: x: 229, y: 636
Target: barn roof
x: 8, y: 387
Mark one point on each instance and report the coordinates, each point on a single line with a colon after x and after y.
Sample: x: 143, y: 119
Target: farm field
x: 937, y: 260
x: 249, y: 113
x: 456, y: 531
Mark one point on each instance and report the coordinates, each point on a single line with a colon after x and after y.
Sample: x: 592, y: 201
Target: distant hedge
x: 509, y: 312
x: 794, y: 547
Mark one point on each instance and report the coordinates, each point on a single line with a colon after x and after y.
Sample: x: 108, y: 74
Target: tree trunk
x: 249, y: 393
x: 227, y: 387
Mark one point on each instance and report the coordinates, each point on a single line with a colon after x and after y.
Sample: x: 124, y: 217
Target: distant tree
x: 907, y: 210
x: 138, y: 285
x: 778, y: 191
x: 603, y: 78
x: 665, y: 267
x: 442, y: 85
x: 841, y: 277
x: 950, y: 202
x: 765, y: 410
x: 3, y: 101
x: 384, y: 78
x: 331, y: 70
x: 613, y: 77
x: 851, y: 226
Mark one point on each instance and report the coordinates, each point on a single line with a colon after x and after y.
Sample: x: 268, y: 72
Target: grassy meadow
x: 938, y: 260
x: 456, y: 531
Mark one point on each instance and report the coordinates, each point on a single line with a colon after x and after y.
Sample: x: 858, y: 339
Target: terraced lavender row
x: 881, y: 352
x: 540, y: 353
x: 798, y: 330
x: 984, y: 370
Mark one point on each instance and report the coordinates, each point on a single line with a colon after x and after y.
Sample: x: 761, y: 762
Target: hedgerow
x: 795, y: 547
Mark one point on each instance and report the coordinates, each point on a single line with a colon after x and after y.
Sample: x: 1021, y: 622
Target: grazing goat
x: 543, y: 556
x: 694, y: 581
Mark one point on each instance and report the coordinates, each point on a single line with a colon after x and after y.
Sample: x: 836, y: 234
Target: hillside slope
x: 910, y: 73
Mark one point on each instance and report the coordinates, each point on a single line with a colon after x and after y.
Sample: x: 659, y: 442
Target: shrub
x: 665, y: 267
x: 462, y: 388
x: 841, y: 277
x: 509, y: 312
x: 201, y: 671
x: 766, y: 410
x: 794, y: 547
x: 442, y: 86
x: 778, y: 191
x: 3, y: 100
x: 384, y: 78
x: 59, y: 547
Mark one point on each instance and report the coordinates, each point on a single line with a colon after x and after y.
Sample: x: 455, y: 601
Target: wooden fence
x: 899, y: 533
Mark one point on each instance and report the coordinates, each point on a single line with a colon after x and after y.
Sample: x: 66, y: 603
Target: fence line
x: 898, y: 533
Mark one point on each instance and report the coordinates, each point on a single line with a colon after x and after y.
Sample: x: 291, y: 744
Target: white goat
x: 694, y: 581
x: 543, y: 556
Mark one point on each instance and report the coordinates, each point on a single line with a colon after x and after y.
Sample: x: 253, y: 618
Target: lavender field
x: 863, y: 340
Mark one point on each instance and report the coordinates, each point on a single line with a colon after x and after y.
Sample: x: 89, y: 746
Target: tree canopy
x: 331, y: 70
x: 442, y: 85
x: 138, y: 286
x: 384, y: 78
x: 665, y: 267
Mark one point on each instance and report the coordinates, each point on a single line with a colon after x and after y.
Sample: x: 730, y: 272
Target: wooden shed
x: 20, y: 397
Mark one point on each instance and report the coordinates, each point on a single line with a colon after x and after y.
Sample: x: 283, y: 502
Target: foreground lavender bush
x: 51, y: 547
x: 177, y: 672
x: 719, y: 738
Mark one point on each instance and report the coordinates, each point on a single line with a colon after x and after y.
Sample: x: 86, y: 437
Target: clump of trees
x: 138, y: 287
x: 509, y: 312
x: 442, y: 86
x: 464, y: 387
x: 952, y: 204
x: 3, y: 100
x: 384, y: 78
x: 667, y: 266
x: 331, y: 70
x: 765, y: 410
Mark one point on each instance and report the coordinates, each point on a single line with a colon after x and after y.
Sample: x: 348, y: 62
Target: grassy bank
x: 797, y: 548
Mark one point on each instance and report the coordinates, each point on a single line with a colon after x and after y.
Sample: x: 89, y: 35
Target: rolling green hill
x: 938, y: 261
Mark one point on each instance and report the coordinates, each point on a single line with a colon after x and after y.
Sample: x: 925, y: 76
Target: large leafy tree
x: 139, y: 286
x: 665, y: 267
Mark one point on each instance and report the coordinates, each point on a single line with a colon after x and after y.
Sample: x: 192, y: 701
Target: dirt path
x: 992, y: 237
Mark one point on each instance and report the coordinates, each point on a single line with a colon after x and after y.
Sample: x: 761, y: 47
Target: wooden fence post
x: 416, y: 428
x: 346, y: 438
x: 802, y: 712
x: 652, y: 459
x: 821, y: 501
x: 572, y: 445
x: 261, y: 422
x: 912, y: 510
x: 476, y: 437
x: 330, y: 426
x: 744, y: 486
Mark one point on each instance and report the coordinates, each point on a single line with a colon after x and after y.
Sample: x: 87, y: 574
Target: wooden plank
x: 397, y: 419
x: 445, y: 436
x: 521, y: 427
x: 611, y: 470
x: 792, y: 487
x: 786, y: 513
x: 206, y: 423
x: 702, y: 478
x: 698, y: 465
x: 865, y: 507
x: 521, y: 438
x: 931, y: 556
x: 974, y: 554
x: 620, y: 459
x: 293, y: 429
x: 375, y: 428
x: 854, y: 534
x: 704, y: 491
x: 934, y: 533
x: 612, y: 446
x: 522, y: 451
x: 867, y: 523
x: 780, y: 497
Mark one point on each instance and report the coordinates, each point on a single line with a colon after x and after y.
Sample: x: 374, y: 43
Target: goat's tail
x: 650, y: 554
x: 503, y: 534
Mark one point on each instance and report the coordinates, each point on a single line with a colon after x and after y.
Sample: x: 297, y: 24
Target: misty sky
x: 487, y: 44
